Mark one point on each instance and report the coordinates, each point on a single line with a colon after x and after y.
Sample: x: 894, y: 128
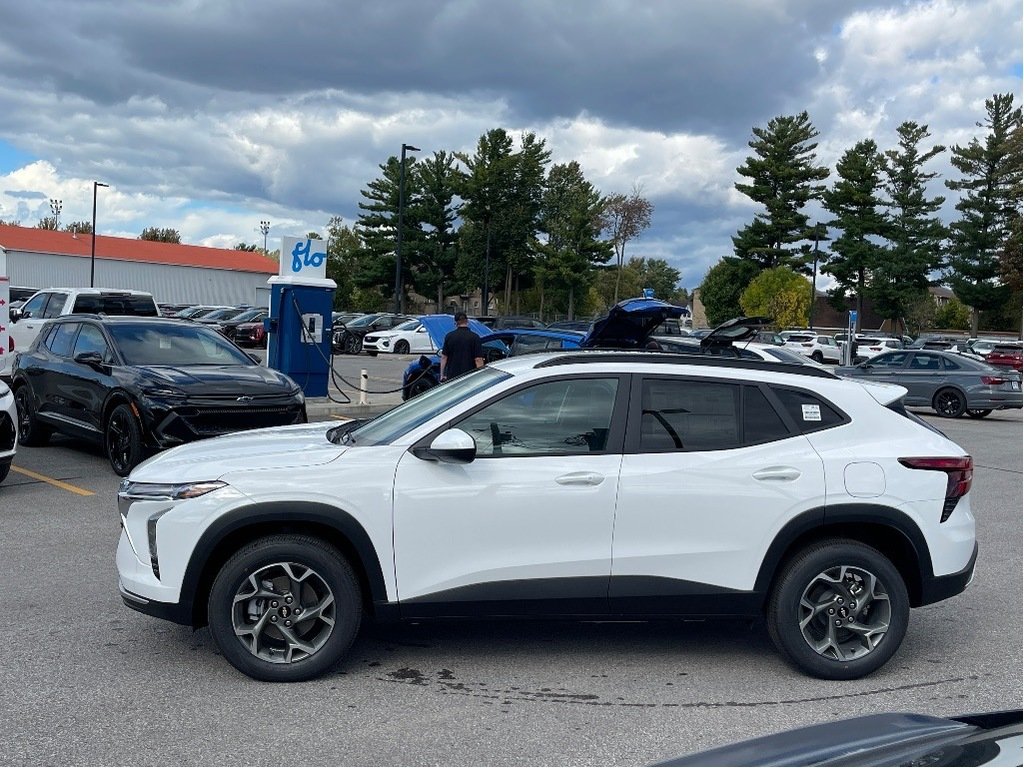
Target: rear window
x: 116, y: 304
x: 810, y: 412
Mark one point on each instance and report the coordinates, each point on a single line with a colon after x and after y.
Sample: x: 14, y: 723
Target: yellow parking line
x: 53, y: 481
x: 340, y: 418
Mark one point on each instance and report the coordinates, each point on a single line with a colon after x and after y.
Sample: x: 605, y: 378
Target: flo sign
x: 303, y: 258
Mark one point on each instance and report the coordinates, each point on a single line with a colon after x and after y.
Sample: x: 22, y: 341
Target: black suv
x: 142, y: 384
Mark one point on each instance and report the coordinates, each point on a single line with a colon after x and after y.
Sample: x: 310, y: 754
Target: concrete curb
x: 321, y: 408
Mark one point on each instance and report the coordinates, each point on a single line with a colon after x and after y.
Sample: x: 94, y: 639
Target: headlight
x: 163, y: 392
x: 174, y: 491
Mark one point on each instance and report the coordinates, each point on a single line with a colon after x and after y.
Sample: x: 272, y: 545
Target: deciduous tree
x: 778, y: 293
x: 722, y: 287
x: 625, y: 218
x: 161, y: 234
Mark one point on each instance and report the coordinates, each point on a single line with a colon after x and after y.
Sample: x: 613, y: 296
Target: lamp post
x: 398, y: 236
x: 814, y: 278
x: 55, y: 207
x: 92, y: 261
x: 265, y: 229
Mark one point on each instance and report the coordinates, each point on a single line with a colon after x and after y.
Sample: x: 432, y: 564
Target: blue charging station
x: 299, y: 330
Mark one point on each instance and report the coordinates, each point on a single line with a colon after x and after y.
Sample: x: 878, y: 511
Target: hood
x: 301, y: 445
x: 218, y: 380
x: 629, y: 323
x: 439, y: 326
x: 732, y: 331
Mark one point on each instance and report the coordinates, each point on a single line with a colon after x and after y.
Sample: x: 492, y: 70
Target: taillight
x: 992, y: 381
x: 959, y: 475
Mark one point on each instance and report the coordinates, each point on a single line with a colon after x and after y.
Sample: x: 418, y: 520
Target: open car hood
x: 732, y: 331
x: 629, y: 323
x: 439, y: 326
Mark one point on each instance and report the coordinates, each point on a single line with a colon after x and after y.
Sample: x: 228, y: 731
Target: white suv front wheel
x: 285, y: 608
x: 839, y: 610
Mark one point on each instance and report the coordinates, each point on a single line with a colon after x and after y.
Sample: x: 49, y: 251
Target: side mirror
x: 92, y: 359
x: 255, y: 358
x: 453, y: 446
x: 15, y: 314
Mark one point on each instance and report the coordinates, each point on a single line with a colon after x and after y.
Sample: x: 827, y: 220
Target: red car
x: 1006, y: 356
x: 250, y: 335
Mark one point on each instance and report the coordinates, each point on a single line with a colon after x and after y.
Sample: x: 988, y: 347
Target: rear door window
x: 116, y: 304
x: 688, y: 415
x: 61, y: 340
x: 55, y: 306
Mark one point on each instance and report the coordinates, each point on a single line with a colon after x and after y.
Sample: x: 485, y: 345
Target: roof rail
x: 670, y: 358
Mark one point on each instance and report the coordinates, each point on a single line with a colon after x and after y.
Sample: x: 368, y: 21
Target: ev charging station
x: 299, y: 323
x: 849, y: 356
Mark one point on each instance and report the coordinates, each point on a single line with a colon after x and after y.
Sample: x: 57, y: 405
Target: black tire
x: 401, y: 347
x: 5, y: 469
x: 850, y: 650
x: 353, y: 344
x: 949, y: 403
x: 979, y: 413
x: 122, y: 439
x: 30, y: 431
x: 421, y: 385
x: 371, y: 352
x: 817, y: 357
x: 318, y: 571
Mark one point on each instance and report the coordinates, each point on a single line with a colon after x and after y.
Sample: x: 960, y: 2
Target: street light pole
x: 398, y: 237
x: 55, y: 206
x: 92, y: 261
x: 265, y: 229
x: 814, y: 278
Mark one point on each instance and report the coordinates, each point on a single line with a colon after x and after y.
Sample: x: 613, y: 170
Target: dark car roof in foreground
x: 885, y: 739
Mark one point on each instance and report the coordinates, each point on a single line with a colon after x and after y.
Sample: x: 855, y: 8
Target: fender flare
x: 836, y: 516
x: 198, y: 574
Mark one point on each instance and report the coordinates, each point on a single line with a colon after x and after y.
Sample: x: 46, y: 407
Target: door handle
x: 777, y: 473
x: 580, y: 478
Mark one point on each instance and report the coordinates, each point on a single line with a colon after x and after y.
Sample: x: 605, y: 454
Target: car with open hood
x: 628, y: 325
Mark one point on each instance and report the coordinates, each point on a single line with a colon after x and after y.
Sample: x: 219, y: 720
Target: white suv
x: 587, y: 484
x: 8, y: 430
x: 818, y: 347
x: 57, y: 302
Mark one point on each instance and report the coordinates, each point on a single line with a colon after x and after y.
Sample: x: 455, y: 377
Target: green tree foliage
x: 636, y: 274
x: 80, y: 227
x: 161, y: 234
x: 47, y: 222
x: 625, y: 217
x: 989, y: 206
x: 570, y: 223
x: 920, y: 314
x: 722, y: 287
x: 250, y: 247
x: 783, y: 178
x: 377, y: 228
x: 502, y: 192
x: 914, y: 233
x: 855, y: 203
x: 438, y: 180
x: 778, y: 293
x: 343, y: 252
x: 953, y: 315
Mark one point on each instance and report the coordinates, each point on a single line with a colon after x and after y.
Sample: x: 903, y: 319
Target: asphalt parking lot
x: 88, y: 681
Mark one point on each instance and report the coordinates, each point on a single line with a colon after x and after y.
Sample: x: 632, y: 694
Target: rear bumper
x: 939, y: 588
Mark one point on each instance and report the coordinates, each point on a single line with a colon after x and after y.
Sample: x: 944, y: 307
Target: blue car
x: 627, y: 326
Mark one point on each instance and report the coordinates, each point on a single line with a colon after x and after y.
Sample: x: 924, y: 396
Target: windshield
x: 362, y: 321
x: 249, y: 314
x: 421, y: 409
x: 222, y: 314
x: 151, y: 344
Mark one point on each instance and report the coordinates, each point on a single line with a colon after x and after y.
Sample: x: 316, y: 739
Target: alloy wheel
x: 844, y: 613
x: 283, y: 613
x: 950, y: 403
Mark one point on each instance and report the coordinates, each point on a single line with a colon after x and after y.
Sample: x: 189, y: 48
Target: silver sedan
x: 950, y: 383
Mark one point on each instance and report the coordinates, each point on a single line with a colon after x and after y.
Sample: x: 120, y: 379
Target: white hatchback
x: 592, y: 485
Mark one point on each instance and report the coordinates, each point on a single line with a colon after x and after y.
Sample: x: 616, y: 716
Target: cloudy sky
x: 209, y: 116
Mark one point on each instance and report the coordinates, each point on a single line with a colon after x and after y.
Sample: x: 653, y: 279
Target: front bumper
x: 184, y: 423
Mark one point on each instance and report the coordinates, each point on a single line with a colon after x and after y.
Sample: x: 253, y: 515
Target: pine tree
x: 783, y: 179
x: 989, y: 207
x: 438, y: 179
x: 855, y: 202
x: 915, y: 235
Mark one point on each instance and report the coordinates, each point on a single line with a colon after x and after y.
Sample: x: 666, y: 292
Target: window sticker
x: 811, y: 412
